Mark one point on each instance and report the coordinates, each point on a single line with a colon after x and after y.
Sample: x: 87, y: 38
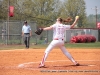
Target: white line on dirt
x: 63, y: 61
x: 23, y: 64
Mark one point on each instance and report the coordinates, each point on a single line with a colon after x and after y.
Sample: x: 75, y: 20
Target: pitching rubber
x: 21, y: 66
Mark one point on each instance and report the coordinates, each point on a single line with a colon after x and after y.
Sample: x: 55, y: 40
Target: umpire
x: 26, y: 33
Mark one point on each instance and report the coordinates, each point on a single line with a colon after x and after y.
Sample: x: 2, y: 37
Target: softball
x: 77, y: 17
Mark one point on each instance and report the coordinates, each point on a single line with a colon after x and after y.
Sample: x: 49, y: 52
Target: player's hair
x: 65, y: 20
x: 25, y: 21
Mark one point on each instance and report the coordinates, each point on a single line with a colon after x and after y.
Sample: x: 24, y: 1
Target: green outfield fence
x: 10, y: 33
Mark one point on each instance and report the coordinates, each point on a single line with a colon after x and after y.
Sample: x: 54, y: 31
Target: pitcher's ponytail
x: 68, y: 20
x: 65, y: 20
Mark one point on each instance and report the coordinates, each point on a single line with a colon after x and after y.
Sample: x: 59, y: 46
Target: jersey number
x: 60, y: 31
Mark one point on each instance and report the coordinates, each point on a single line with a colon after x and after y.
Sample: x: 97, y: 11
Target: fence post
x: 99, y: 35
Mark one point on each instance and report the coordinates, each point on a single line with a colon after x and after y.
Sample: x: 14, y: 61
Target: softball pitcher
x: 58, y: 40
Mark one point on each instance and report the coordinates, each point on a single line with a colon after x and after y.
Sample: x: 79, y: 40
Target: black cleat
x: 77, y: 64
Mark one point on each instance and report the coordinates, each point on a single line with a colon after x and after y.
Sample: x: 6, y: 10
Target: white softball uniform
x: 58, y: 40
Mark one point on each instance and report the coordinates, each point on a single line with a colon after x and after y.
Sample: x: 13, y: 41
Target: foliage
x: 76, y: 7
x: 45, y: 12
x: 91, y: 19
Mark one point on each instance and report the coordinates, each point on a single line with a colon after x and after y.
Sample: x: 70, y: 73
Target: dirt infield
x: 26, y: 61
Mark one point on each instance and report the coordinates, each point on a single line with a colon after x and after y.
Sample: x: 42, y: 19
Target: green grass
x: 83, y: 45
x: 40, y: 46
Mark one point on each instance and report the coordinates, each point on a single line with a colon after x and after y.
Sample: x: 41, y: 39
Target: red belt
x: 58, y: 39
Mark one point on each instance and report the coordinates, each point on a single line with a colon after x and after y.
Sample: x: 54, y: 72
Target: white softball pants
x: 60, y: 44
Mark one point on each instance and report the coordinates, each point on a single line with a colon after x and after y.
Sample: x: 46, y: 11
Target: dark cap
x: 25, y: 21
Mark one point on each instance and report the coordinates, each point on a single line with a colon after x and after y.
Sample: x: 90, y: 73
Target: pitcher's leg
x: 49, y: 48
x: 67, y: 54
x: 47, y: 51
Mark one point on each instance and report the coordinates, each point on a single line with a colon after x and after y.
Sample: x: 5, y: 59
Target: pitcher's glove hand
x: 39, y: 31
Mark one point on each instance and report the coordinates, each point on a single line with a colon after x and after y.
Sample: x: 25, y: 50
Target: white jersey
x: 59, y: 30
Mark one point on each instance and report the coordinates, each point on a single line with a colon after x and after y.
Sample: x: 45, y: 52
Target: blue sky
x: 90, y: 6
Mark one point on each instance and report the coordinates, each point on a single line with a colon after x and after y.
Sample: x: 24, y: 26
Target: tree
x: 44, y: 11
x: 98, y: 18
x: 3, y: 9
x: 92, y: 20
x: 72, y: 8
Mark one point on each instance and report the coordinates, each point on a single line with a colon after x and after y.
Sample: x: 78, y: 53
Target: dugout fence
x: 15, y: 28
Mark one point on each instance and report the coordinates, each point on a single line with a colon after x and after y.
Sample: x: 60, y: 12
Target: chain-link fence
x: 74, y: 32
x: 12, y: 34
